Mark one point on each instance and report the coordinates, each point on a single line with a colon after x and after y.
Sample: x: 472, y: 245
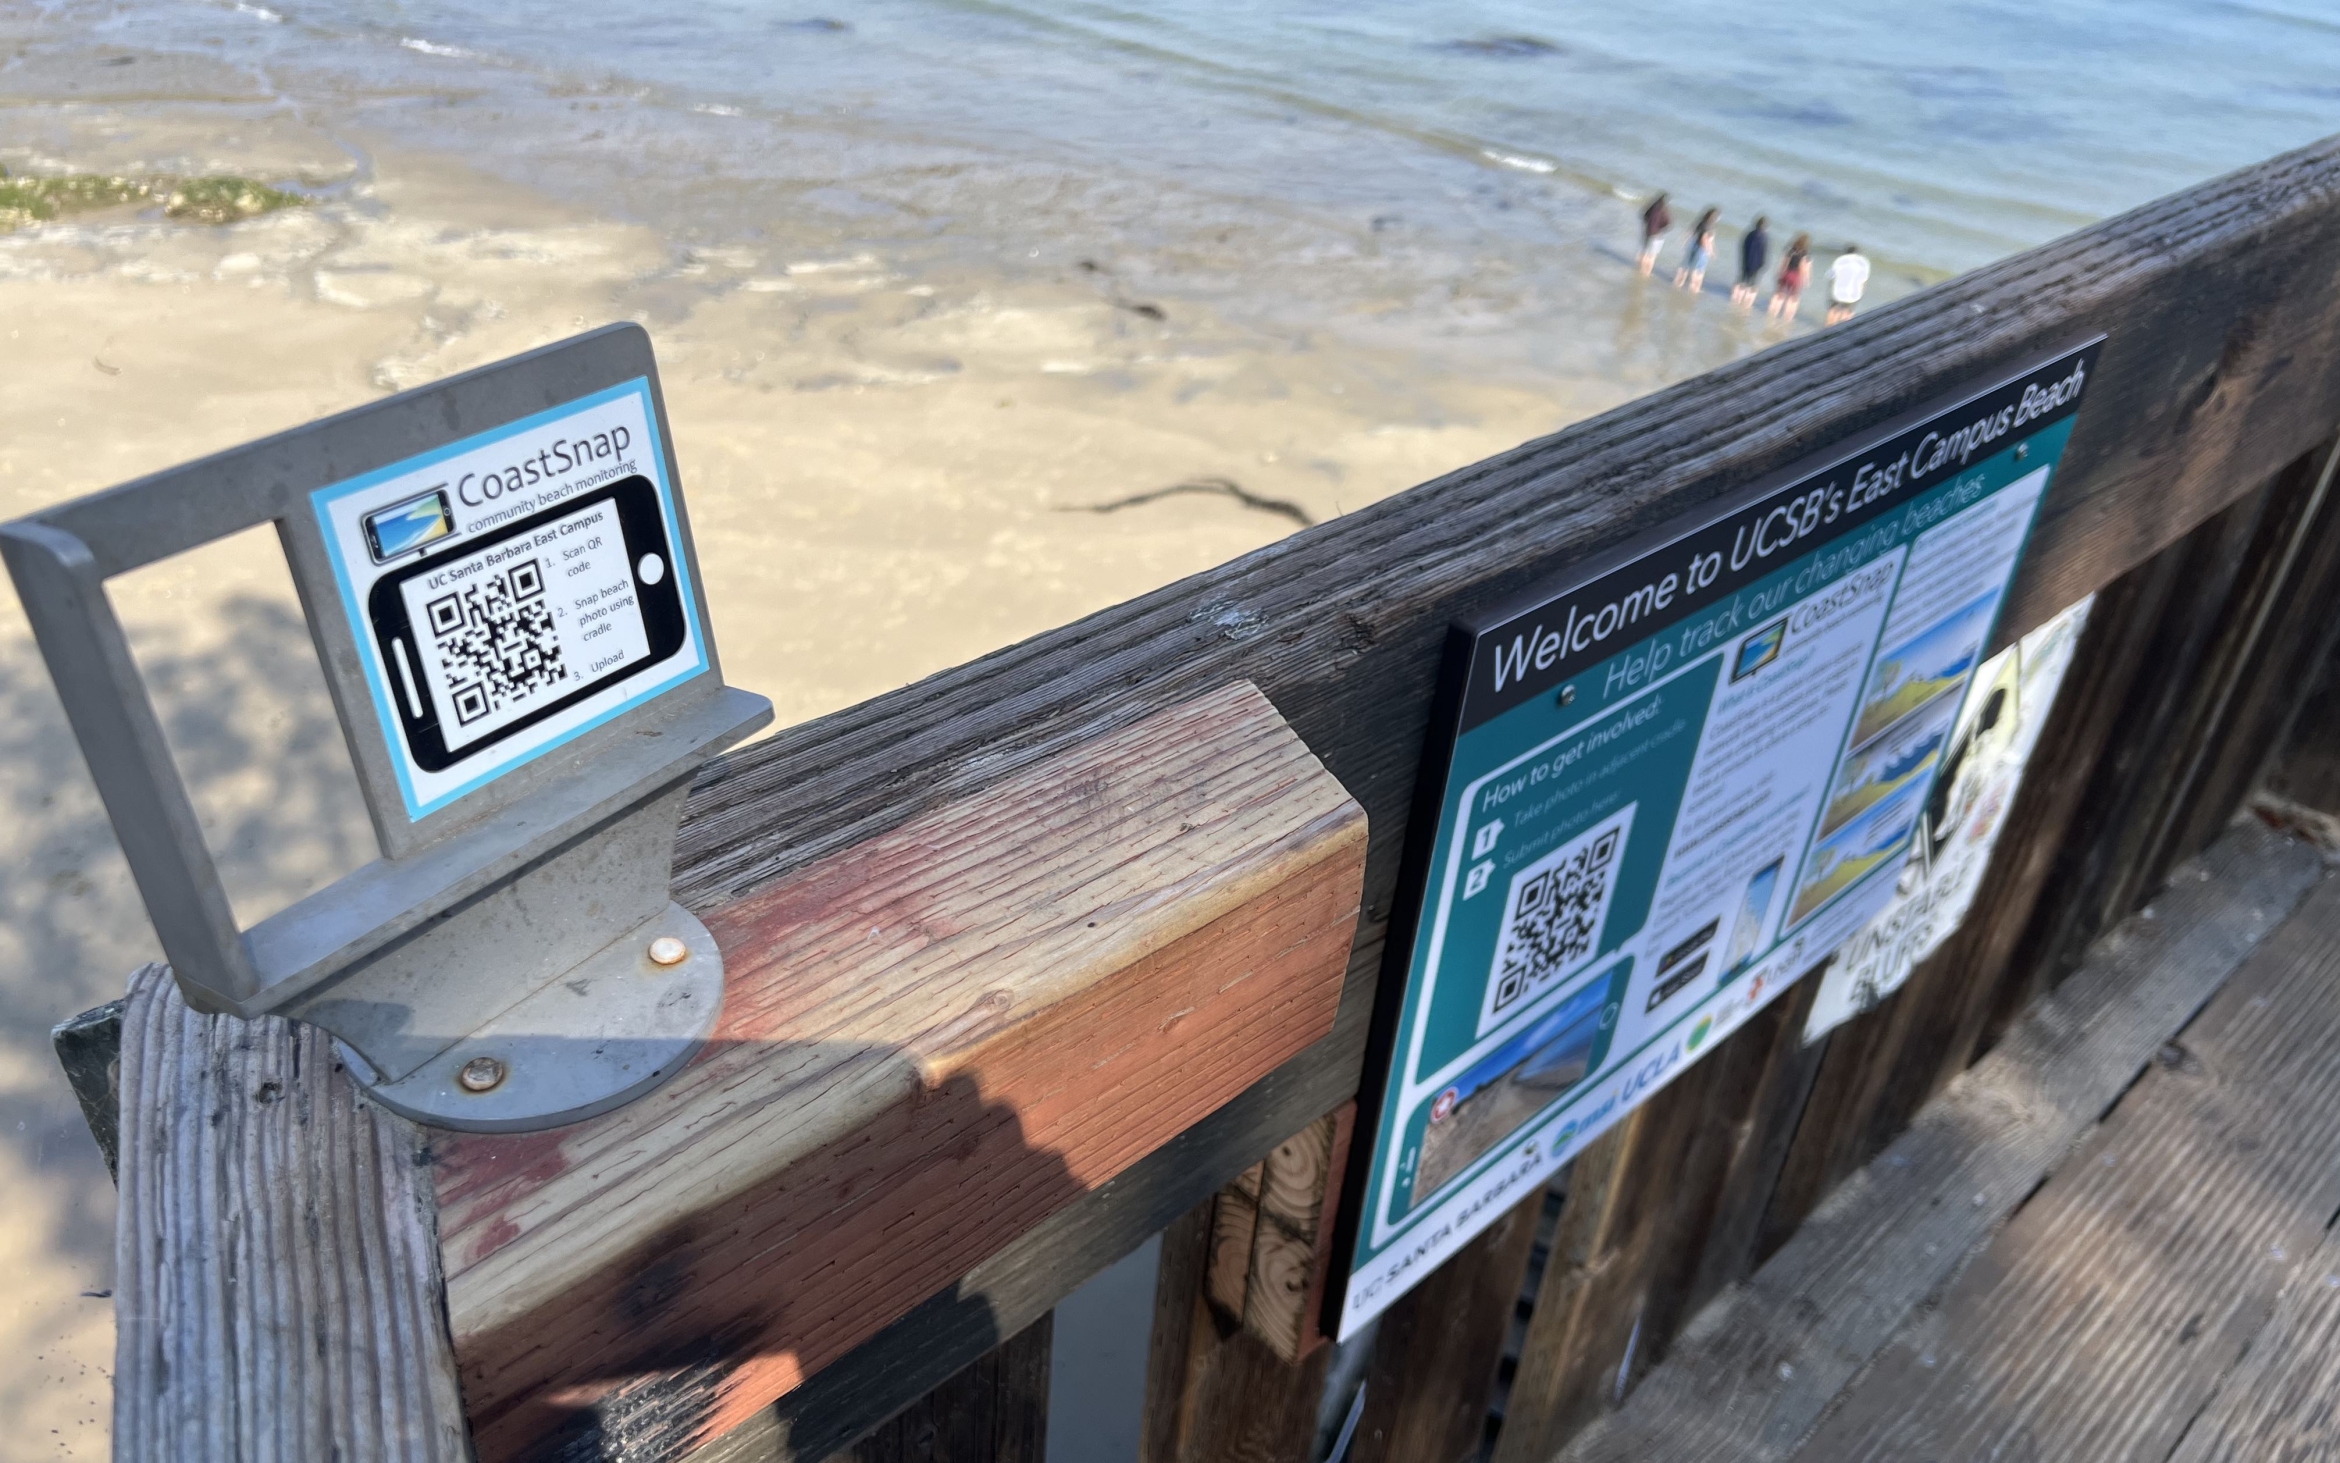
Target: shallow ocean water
x: 1937, y: 136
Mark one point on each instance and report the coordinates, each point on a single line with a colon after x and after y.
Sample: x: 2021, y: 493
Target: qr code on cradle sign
x: 1552, y: 916
x: 496, y: 641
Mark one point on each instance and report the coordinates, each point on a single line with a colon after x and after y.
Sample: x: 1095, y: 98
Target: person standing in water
x: 1795, y: 270
x: 1655, y: 220
x: 1754, y: 252
x: 1847, y: 277
x: 1692, y: 275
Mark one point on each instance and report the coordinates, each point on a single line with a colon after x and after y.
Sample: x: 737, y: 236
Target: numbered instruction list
x: 1672, y: 790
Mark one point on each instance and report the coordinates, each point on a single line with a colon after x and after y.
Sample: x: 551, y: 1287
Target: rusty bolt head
x: 667, y: 950
x: 481, y: 1074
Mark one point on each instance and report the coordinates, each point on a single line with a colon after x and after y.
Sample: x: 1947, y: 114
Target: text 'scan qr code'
x: 1552, y: 916
x: 496, y: 641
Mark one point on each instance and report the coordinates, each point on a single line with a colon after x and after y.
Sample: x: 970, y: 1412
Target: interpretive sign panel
x: 1669, y: 787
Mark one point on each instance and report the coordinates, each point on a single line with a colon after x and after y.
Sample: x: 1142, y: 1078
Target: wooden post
x: 277, y: 1290
x: 1266, y: 1269
x: 1238, y: 1361
x: 930, y: 1043
x: 1214, y: 1389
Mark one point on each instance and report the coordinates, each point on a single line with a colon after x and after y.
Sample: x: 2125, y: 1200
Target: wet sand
x: 894, y: 464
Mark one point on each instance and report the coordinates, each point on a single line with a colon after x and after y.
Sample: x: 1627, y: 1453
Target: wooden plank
x: 276, y: 1291
x: 1300, y: 1183
x: 1432, y: 1373
x: 1636, y: 1236
x: 1171, y: 1348
x: 2277, y: 1404
x: 994, y: 1411
x: 1235, y: 1369
x: 1759, y: 1144
x: 930, y: 1043
x: 2307, y: 770
x: 1250, y: 1405
x: 2098, y: 1323
x: 1751, y: 1373
x: 1214, y: 1390
x: 2272, y: 668
x: 2131, y: 786
x: 1618, y: 1233
x: 2220, y: 304
x: 1234, y: 1224
x: 1885, y: 1064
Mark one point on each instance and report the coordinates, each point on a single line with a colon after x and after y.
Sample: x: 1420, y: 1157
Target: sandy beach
x: 896, y: 460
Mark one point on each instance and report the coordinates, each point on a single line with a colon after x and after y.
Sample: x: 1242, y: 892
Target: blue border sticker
x: 343, y: 507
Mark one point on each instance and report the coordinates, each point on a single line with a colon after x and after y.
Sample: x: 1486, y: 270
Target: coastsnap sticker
x: 513, y: 590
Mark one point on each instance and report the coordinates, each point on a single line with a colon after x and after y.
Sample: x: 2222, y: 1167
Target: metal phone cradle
x: 513, y: 960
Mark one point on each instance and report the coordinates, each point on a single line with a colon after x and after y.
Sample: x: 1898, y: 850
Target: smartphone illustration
x: 499, y: 632
x: 404, y: 527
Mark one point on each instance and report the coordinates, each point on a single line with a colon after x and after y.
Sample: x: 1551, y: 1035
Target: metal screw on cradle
x: 667, y: 950
x: 1567, y: 695
x: 481, y: 1074
x: 2022, y: 450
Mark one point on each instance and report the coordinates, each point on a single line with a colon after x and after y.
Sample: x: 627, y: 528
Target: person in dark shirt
x: 1754, y: 253
x: 1655, y: 220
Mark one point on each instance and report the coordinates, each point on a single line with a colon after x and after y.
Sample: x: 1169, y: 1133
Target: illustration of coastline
x: 1903, y: 755
x: 1856, y: 850
x: 1512, y: 1083
x: 1932, y: 663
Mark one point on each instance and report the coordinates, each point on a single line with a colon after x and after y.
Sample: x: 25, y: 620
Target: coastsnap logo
x: 554, y: 459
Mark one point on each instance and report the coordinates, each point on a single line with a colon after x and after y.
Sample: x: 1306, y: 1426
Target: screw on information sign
x: 499, y: 579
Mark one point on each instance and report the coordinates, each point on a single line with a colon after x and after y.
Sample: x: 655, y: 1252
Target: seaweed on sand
x: 218, y: 199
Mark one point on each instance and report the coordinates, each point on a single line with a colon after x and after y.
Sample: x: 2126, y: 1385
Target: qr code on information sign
x: 496, y: 641
x: 1552, y: 917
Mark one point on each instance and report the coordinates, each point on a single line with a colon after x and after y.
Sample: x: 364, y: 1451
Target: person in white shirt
x: 1847, y: 277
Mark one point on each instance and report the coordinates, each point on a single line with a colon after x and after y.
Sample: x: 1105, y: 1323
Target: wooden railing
x: 2193, y: 498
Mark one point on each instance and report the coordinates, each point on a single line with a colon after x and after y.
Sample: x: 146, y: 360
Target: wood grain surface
x: 1271, y: 1229
x: 2276, y: 1405
x: 276, y: 1291
x: 2105, y: 1315
x: 1432, y: 1377
x: 1751, y: 1374
x: 929, y: 1043
x: 1215, y: 1391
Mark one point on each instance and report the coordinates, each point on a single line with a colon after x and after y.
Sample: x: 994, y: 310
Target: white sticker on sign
x: 513, y: 590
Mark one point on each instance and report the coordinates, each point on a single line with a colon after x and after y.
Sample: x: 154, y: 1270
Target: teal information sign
x: 1671, y: 787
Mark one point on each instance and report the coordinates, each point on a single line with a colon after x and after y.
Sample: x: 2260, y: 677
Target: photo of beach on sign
x: 1511, y: 1084
x: 1932, y: 663
x: 1853, y: 852
x: 1902, y: 756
